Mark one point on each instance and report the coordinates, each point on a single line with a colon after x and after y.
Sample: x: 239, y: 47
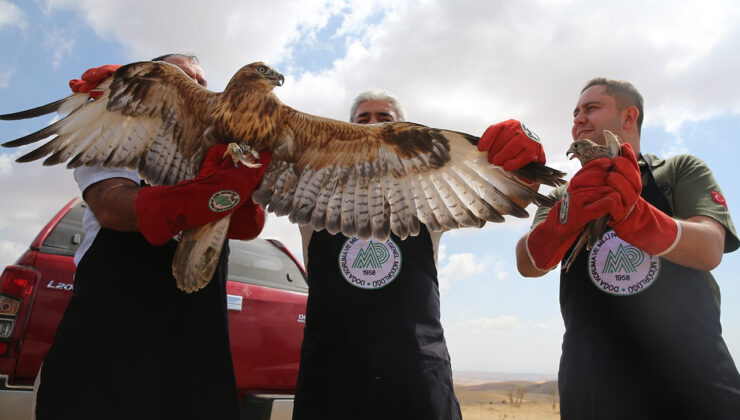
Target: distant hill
x: 538, y: 387
x: 467, y: 377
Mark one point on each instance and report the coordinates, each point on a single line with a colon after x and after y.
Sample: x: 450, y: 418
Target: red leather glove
x: 511, y: 145
x: 91, y: 78
x: 634, y: 219
x: 247, y: 222
x: 587, y: 198
x: 219, y: 188
x: 626, y: 180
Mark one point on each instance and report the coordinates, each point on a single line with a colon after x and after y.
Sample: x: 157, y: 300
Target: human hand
x: 626, y: 180
x: 633, y: 219
x: 247, y: 221
x: 91, y: 78
x: 220, y: 188
x: 511, y: 145
x: 587, y: 198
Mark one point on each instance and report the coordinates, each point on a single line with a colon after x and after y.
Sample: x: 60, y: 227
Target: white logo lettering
x: 619, y: 268
x: 61, y: 286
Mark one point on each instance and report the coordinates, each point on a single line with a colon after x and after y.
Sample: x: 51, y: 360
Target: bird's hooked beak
x: 572, y: 150
x: 276, y: 78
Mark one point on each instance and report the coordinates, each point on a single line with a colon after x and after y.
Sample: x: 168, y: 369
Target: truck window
x: 67, y: 234
x: 262, y: 263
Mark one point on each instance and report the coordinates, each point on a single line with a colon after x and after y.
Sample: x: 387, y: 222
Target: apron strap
x: 650, y: 190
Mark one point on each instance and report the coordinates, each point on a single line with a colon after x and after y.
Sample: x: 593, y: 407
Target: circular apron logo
x: 618, y: 268
x: 223, y: 200
x: 369, y: 264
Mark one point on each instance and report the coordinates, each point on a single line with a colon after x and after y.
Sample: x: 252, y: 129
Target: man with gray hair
x: 373, y: 343
x: 377, y: 106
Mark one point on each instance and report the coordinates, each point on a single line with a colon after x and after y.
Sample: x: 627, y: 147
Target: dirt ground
x: 497, y: 406
x: 535, y: 411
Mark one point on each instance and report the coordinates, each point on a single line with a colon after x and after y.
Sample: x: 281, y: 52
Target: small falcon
x: 586, y: 151
x: 364, y: 180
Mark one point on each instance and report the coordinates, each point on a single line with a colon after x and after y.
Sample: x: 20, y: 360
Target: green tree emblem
x: 223, y: 200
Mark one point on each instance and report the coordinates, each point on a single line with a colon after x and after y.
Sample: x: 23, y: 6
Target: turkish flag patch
x: 717, y: 197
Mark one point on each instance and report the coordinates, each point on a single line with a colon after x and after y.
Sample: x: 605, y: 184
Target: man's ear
x: 629, y: 117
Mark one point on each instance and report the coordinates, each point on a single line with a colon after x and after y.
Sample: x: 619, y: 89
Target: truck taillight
x: 16, y: 287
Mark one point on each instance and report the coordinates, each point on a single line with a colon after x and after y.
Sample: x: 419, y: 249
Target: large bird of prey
x: 365, y: 180
x: 586, y: 151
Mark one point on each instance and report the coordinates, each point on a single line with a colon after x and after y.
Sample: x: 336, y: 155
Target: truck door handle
x: 234, y: 303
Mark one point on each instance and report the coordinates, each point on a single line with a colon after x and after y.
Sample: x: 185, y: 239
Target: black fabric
x: 133, y: 346
x: 374, y: 354
x: 658, y: 354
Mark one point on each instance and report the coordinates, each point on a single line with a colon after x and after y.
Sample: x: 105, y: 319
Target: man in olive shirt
x: 641, y: 310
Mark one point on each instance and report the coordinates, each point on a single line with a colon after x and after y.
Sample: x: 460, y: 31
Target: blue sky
x: 456, y: 65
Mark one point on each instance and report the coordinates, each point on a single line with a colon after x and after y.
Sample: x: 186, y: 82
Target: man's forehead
x: 375, y: 106
x: 583, y: 103
x: 594, y: 95
x: 190, y: 67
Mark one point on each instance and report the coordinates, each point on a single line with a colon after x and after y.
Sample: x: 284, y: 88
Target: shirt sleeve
x: 695, y: 192
x: 88, y: 175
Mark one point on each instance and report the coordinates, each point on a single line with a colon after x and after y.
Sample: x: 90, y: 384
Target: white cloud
x: 5, y: 164
x: 505, y: 343
x: 11, y: 15
x: 32, y: 194
x: 456, y: 65
x: 469, y: 65
x: 9, y: 252
x: 441, y: 254
x: 5, y: 77
x: 458, y: 267
x: 281, y: 229
x: 555, y: 325
x: 485, y: 326
x: 60, y: 43
x: 225, y: 34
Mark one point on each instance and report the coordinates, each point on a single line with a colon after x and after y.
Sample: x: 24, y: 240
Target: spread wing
x: 370, y: 180
x: 151, y: 117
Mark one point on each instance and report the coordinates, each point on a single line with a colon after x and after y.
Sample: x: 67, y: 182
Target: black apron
x: 655, y: 354
x: 374, y: 350
x: 133, y: 346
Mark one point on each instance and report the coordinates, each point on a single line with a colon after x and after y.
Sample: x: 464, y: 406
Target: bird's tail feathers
x: 541, y: 174
x: 198, y: 253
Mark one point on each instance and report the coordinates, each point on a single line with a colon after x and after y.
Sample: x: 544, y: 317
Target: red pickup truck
x: 267, y: 294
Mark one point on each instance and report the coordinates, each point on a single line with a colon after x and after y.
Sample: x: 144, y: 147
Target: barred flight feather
x: 365, y: 180
x: 348, y: 205
x: 424, y: 209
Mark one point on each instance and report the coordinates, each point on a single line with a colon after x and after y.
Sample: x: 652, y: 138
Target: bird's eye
x: 262, y: 69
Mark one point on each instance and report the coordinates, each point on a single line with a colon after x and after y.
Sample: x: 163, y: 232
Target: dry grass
x: 509, y: 400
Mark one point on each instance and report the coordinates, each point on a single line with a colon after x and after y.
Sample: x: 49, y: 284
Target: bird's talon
x: 243, y: 153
